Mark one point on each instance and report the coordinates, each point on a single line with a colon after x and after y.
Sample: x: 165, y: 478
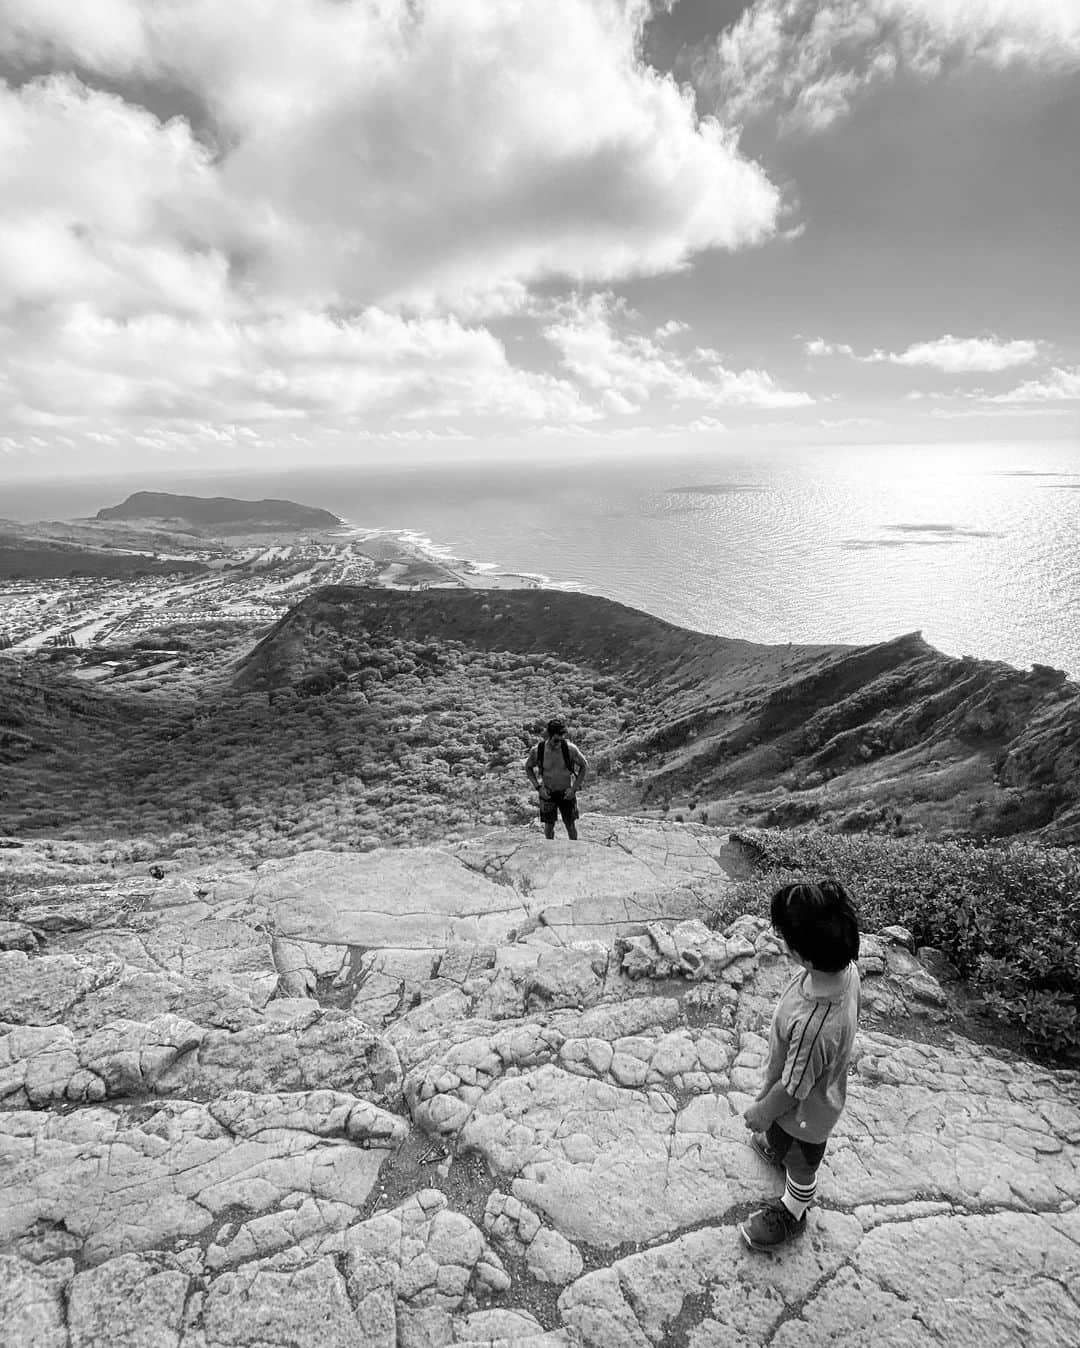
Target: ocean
x: 974, y: 545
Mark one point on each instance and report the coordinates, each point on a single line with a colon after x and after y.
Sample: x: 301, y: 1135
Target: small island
x: 220, y: 511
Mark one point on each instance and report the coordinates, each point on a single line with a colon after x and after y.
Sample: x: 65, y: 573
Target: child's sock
x: 798, y: 1197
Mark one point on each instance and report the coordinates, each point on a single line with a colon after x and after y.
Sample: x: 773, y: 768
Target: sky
x: 281, y: 232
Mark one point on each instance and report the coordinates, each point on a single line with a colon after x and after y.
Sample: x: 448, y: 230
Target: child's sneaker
x: 771, y: 1226
x: 760, y: 1144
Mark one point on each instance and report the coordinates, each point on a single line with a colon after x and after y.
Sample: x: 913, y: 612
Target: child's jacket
x: 810, y: 1044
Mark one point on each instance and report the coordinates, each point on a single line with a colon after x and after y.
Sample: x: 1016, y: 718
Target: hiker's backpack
x: 565, y: 756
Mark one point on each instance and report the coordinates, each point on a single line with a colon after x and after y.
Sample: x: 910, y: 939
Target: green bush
x: 1007, y: 915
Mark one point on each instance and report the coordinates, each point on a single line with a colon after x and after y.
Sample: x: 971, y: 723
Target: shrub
x: 1006, y: 915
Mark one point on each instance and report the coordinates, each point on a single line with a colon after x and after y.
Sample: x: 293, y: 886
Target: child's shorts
x: 782, y: 1142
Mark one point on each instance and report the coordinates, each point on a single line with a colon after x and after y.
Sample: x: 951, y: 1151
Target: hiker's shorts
x: 555, y: 805
x: 801, y: 1158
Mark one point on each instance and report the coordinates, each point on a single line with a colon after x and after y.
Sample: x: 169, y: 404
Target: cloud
x: 988, y: 413
x: 1059, y: 385
x: 103, y: 204
x: 93, y: 372
x: 634, y: 369
x: 951, y: 355
x: 418, y: 151
x: 347, y: 198
x: 963, y: 355
x: 817, y: 346
x: 808, y: 62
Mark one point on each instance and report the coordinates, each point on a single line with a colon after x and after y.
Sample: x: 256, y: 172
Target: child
x: 810, y: 1043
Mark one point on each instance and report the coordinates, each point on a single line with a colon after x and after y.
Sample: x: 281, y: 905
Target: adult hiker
x: 557, y: 768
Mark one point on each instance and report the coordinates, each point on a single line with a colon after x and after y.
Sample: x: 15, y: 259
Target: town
x: 245, y: 584
x: 242, y: 580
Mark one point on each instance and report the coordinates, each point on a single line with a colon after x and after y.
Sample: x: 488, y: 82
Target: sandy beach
x: 413, y: 562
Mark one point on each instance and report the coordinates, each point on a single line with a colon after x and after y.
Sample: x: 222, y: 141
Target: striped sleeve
x: 806, y: 1054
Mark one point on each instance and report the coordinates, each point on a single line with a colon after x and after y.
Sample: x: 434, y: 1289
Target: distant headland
x: 215, y: 511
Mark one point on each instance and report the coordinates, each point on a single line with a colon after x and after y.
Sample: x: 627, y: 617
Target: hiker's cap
x: 556, y: 728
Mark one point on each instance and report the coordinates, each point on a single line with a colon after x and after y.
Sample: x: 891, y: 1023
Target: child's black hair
x: 819, y: 922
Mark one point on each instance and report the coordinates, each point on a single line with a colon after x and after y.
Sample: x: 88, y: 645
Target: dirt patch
x: 334, y: 990
x: 695, y: 1309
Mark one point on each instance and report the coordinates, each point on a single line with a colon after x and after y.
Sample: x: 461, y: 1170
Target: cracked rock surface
x: 492, y: 1095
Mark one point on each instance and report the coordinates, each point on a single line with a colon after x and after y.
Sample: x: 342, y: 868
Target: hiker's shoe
x: 760, y: 1144
x: 771, y: 1226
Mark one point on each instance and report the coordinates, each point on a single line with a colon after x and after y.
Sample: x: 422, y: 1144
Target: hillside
x: 892, y: 734
x: 371, y: 716
x: 222, y: 513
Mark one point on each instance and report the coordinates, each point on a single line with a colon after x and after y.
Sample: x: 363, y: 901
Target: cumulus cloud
x: 808, y: 62
x: 91, y: 370
x: 353, y: 194
x: 1060, y: 385
x: 103, y: 204
x: 598, y: 347
x: 427, y: 149
x: 963, y: 355
x: 817, y: 346
x: 951, y: 355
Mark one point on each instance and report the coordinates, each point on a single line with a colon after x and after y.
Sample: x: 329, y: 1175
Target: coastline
x: 412, y: 560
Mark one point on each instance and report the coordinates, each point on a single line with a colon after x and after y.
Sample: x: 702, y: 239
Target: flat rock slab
x: 605, y: 917
x: 958, y: 1278
x: 102, y: 1181
x: 212, y: 970
x: 618, y: 1152
x: 325, y: 1100
x: 557, y: 872
x: 600, y: 1162
x: 913, y: 1278
x: 630, y: 874
x: 295, y: 1046
x: 619, y: 856
x: 422, y: 899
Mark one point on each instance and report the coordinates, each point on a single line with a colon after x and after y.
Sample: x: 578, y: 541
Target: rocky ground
x: 491, y: 1095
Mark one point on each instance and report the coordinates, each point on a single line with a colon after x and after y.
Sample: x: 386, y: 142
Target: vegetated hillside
x: 898, y: 731
x: 370, y: 716
x: 42, y: 559
x: 421, y: 741
x: 600, y: 633
x: 895, y: 736
x: 219, y: 511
